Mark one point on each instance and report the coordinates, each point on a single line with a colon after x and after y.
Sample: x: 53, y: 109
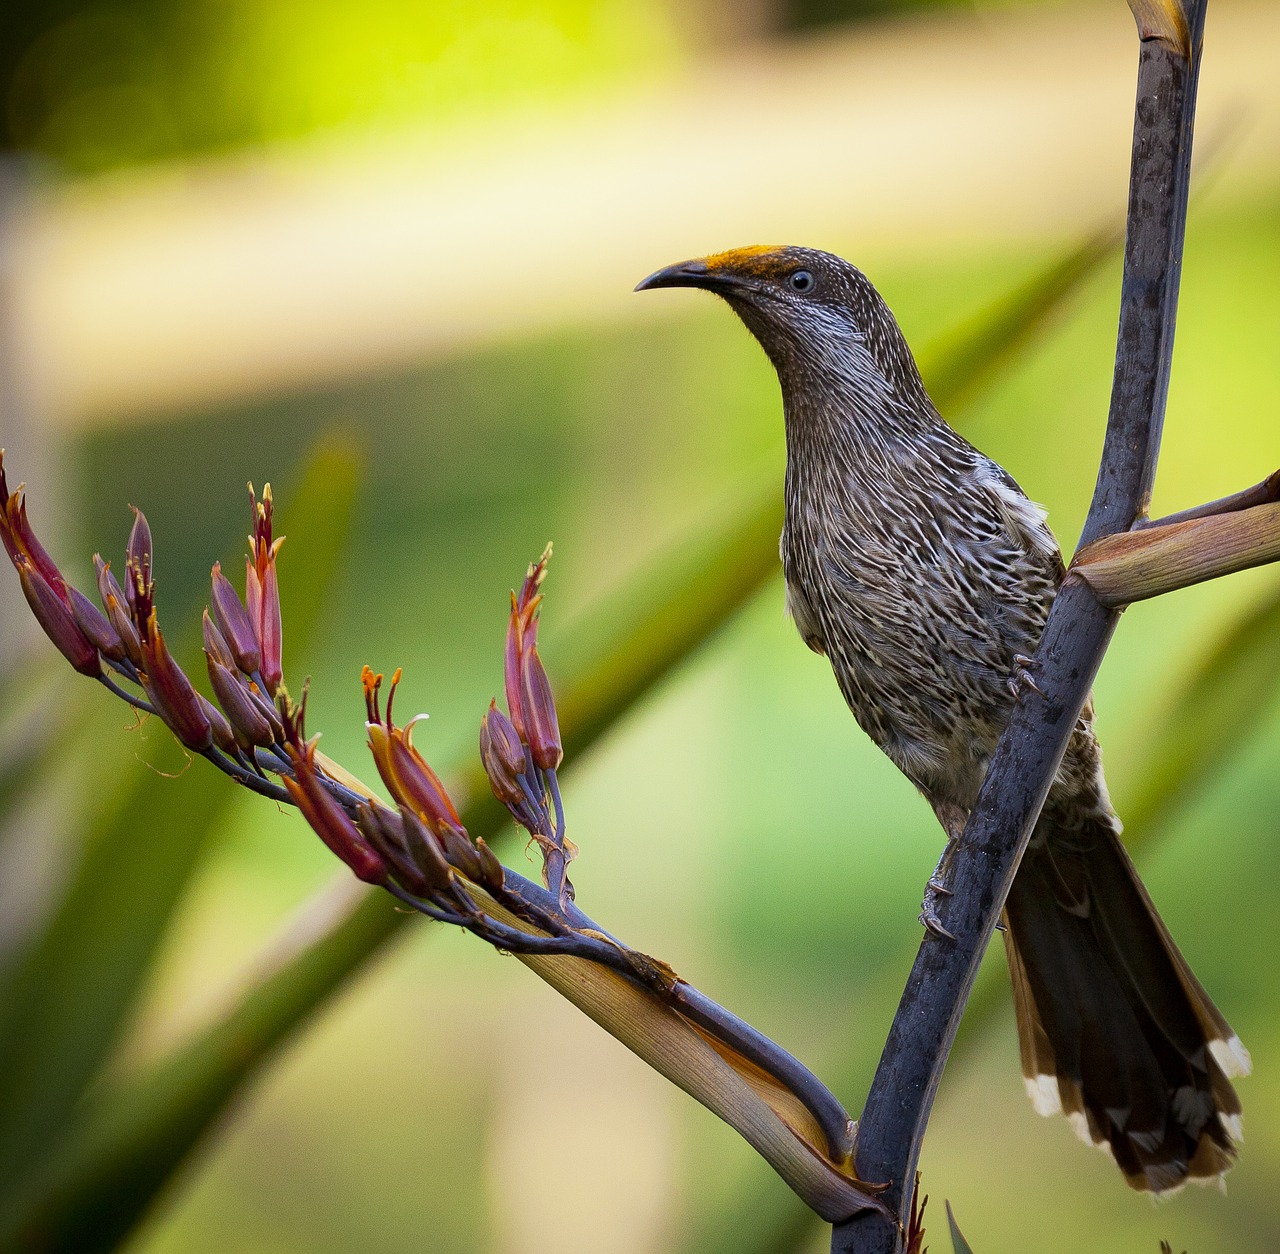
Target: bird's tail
x: 1116, y: 1032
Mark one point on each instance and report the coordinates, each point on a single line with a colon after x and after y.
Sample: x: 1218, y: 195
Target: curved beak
x: 696, y: 273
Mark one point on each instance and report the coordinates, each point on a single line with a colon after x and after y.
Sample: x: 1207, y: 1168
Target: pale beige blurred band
x: 188, y: 286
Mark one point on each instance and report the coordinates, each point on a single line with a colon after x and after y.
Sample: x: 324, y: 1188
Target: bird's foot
x: 935, y: 890
x: 1022, y: 679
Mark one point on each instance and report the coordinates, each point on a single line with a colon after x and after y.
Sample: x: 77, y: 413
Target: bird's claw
x: 933, y: 924
x: 1021, y: 679
x: 929, y: 908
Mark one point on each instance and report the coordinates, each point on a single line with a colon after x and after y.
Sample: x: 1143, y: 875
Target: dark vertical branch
x: 1075, y: 637
x: 1159, y: 179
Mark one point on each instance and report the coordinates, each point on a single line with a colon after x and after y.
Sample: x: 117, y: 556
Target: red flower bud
x: 461, y: 853
x: 215, y: 645
x: 95, y: 626
x: 56, y: 619
x: 404, y: 771
x: 247, y: 719
x: 492, y: 875
x: 233, y: 624
x: 502, y: 755
x: 262, y: 589
x: 271, y: 633
x: 413, y: 853
x: 328, y: 819
x: 223, y: 736
x: 522, y: 633
x: 542, y: 727
x: 511, y: 668
x: 170, y: 691
x: 383, y: 830
x: 113, y: 601
x: 427, y: 852
x: 20, y: 541
x: 138, y: 556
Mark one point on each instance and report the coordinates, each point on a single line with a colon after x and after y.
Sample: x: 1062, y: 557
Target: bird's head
x: 812, y: 312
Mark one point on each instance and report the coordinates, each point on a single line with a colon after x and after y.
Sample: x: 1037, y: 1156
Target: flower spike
x: 420, y: 852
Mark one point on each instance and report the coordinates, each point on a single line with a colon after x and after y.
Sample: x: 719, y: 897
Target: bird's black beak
x: 694, y: 274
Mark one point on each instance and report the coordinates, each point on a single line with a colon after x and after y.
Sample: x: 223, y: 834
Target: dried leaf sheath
x: 1136, y: 565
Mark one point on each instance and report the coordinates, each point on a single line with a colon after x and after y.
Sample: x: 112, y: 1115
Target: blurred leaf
x: 137, y: 1132
x: 958, y: 1242
x: 72, y: 992
x: 39, y: 711
x: 1219, y: 706
x: 967, y: 360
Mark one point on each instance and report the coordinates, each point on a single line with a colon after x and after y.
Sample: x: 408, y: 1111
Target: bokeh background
x: 406, y: 234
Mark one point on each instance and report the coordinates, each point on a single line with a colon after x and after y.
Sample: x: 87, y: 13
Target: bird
x: 923, y: 572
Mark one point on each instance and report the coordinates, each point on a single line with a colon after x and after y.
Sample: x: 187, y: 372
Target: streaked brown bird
x: 922, y: 571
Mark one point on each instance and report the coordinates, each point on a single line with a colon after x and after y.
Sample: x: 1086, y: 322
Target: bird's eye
x: 801, y: 281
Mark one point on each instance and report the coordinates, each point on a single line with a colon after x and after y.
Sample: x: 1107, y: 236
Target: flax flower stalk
x: 421, y: 853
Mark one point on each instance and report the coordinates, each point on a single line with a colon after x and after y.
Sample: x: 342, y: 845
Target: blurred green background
x: 736, y: 823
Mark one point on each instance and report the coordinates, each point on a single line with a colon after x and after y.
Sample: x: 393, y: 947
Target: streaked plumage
x: 922, y: 571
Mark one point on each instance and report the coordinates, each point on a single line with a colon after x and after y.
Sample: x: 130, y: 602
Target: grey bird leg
x: 953, y: 819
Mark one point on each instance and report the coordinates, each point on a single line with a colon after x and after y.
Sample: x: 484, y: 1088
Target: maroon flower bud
x: 403, y: 769
x: 223, y: 736
x: 262, y: 589
x: 56, y: 619
x: 233, y: 624
x: 383, y: 831
x: 461, y: 853
x: 113, y: 601
x: 268, y: 710
x: 411, y: 781
x: 247, y: 719
x: 272, y: 627
x: 170, y: 691
x: 542, y: 728
x: 522, y: 633
x: 408, y: 848
x: 492, y: 875
x: 328, y: 819
x: 138, y: 556
x: 96, y: 627
x: 426, y: 853
x: 511, y: 654
x: 20, y: 541
x: 215, y: 644
x: 502, y: 755
x: 537, y: 572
